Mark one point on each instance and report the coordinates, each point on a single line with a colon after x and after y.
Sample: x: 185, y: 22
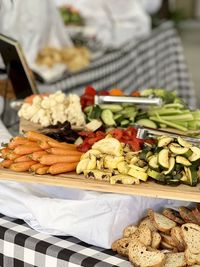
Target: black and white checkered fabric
x: 155, y: 62
x: 21, y: 246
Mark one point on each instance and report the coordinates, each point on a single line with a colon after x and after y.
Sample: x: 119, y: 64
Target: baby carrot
x: 63, y: 145
x: 36, y: 166
x: 42, y: 170
x: 37, y: 155
x: 63, y: 152
x: 12, y: 155
x: 44, y: 144
x: 5, y: 151
x: 21, y: 166
x: 18, y: 140
x: 23, y: 158
x: 35, y: 136
x: 62, y: 167
x: 6, y: 163
x: 51, y: 159
x: 24, y: 149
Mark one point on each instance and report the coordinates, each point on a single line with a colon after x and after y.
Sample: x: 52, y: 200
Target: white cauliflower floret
x: 59, y: 98
x: 54, y: 108
x: 37, y: 117
x: 37, y: 100
x: 52, y: 103
x: 45, y: 103
x: 45, y: 121
x: 27, y: 111
x: 74, y: 112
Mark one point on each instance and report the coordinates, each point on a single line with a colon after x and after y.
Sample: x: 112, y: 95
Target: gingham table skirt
x: 21, y: 246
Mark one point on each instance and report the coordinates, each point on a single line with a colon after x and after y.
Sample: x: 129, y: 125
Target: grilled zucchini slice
x: 163, y: 158
x: 177, y: 149
x: 171, y: 166
x: 164, y: 141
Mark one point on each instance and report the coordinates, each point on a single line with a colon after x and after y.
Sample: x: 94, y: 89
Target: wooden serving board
x: 72, y: 180
x: 25, y: 126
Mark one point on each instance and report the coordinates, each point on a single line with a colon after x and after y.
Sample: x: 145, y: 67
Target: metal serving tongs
x: 147, y: 132
x: 128, y: 99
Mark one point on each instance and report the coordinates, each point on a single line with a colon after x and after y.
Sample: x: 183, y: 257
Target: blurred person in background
x: 34, y: 24
x: 116, y: 22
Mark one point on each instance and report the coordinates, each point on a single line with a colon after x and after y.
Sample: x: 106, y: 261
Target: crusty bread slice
x: 121, y: 246
x: 156, y: 239
x: 191, y: 236
x: 192, y: 258
x: 173, y: 215
x: 175, y: 260
x: 143, y: 234
x: 165, y: 245
x: 129, y: 230
x: 140, y: 256
x: 187, y: 215
x: 161, y: 222
x: 196, y: 214
x: 168, y: 239
x: 147, y: 221
x: 176, y: 234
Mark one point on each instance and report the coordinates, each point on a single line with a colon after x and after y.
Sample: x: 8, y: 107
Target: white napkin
x: 95, y: 218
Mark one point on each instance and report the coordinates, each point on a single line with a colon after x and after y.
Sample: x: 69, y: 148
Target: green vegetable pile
x: 172, y: 161
x: 174, y: 113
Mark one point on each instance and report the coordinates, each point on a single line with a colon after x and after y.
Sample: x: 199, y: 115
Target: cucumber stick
x: 107, y: 117
x: 112, y: 107
x: 147, y: 123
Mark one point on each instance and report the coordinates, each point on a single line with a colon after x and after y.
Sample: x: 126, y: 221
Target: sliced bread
x: 173, y: 215
x: 196, y: 214
x: 129, y: 230
x: 187, y: 215
x: 161, y: 222
x: 147, y: 221
x: 191, y: 235
x: 143, y: 234
x: 156, y: 239
x: 176, y: 234
x: 175, y: 260
x: 121, y: 246
x: 165, y: 245
x: 168, y: 239
x: 140, y: 256
x: 192, y: 258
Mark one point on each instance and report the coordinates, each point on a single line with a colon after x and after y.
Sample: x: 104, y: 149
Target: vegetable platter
x: 106, y: 154
x: 38, y: 158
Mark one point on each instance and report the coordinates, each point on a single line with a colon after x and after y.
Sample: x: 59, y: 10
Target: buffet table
x: 22, y: 246
x: 156, y: 61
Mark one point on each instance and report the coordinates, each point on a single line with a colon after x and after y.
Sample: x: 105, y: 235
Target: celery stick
x: 196, y: 114
x: 164, y: 111
x: 168, y: 123
x: 192, y: 125
x: 181, y: 117
x: 182, y: 123
x: 174, y: 105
